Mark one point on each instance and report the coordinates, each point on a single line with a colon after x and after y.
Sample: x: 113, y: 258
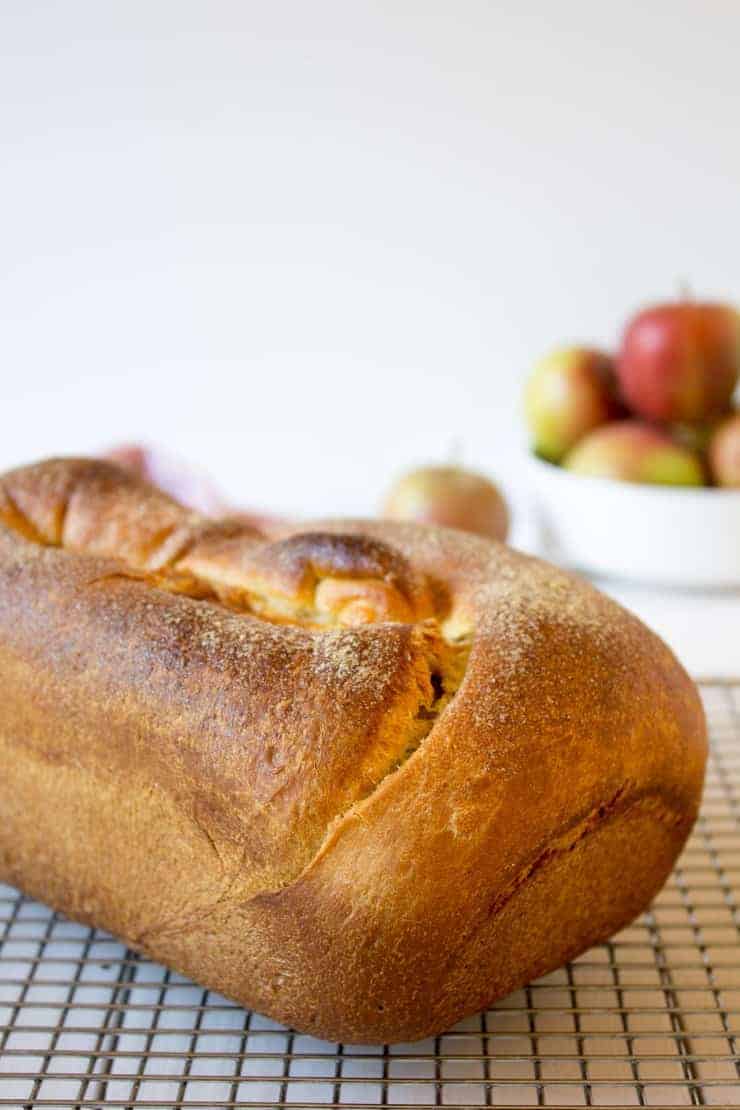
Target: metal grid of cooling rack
x: 649, y: 1019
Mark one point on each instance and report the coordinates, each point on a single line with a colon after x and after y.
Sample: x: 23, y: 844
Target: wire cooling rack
x: 649, y: 1019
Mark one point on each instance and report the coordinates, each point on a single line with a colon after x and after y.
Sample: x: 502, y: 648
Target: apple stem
x: 455, y: 452
x: 685, y: 292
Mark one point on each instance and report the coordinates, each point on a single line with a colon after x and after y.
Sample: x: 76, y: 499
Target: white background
x: 308, y: 243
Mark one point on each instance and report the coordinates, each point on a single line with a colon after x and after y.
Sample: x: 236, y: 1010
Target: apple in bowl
x: 680, y: 362
x: 632, y: 451
x: 724, y: 452
x: 628, y: 495
x: 570, y: 391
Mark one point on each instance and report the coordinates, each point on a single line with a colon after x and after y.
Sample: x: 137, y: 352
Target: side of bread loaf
x: 365, y: 779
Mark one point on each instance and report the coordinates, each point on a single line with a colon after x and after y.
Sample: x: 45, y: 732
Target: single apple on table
x: 631, y: 451
x: 680, y: 362
x: 569, y: 392
x: 724, y: 452
x: 450, y: 496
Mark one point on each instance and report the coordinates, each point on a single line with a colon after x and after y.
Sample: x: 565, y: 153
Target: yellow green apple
x: 569, y: 392
x: 451, y: 496
x: 632, y: 451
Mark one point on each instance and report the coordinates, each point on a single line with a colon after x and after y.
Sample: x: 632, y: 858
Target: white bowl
x: 668, y: 535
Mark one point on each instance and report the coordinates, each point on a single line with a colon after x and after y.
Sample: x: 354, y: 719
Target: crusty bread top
x: 352, y: 674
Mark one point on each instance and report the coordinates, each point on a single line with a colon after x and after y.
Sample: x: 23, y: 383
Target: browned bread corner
x: 365, y: 779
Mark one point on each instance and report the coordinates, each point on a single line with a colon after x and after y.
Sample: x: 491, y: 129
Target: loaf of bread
x: 365, y: 778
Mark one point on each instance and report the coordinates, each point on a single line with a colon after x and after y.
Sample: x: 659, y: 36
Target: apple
x: 570, y: 391
x: 631, y: 451
x: 724, y: 452
x: 696, y: 436
x: 450, y: 496
x: 680, y: 362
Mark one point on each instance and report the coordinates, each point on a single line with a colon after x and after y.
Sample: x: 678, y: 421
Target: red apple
x: 631, y: 451
x: 450, y: 496
x: 724, y: 452
x: 570, y: 391
x: 680, y: 362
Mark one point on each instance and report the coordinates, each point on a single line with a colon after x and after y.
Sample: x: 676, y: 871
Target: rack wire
x: 651, y: 1018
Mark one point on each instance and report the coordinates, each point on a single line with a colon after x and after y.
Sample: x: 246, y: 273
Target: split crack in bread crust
x: 365, y: 778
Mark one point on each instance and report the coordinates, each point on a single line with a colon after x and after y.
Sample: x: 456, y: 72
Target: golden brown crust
x: 364, y: 779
